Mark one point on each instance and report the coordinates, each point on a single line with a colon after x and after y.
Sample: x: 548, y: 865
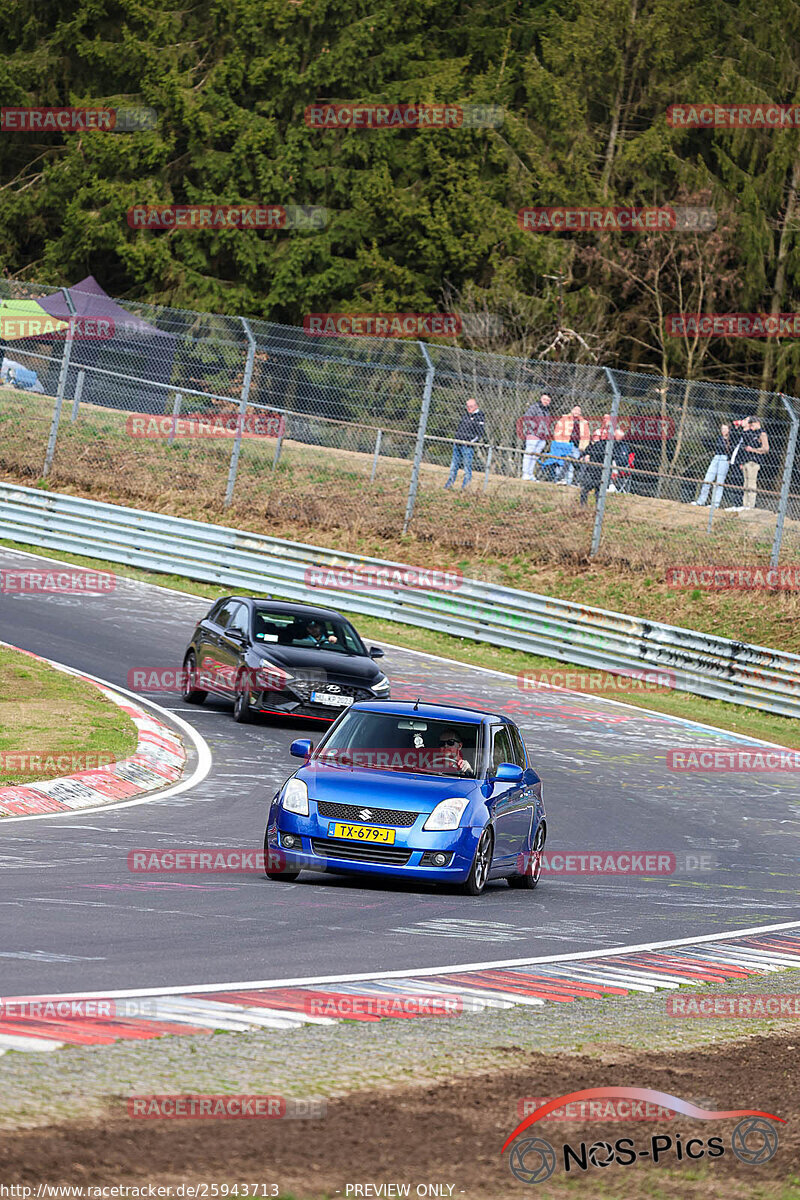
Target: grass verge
x: 58, y: 718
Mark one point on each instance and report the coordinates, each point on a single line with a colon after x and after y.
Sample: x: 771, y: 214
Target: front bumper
x: 460, y: 844
x: 292, y: 704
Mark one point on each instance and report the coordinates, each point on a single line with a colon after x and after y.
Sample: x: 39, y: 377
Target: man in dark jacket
x: 755, y: 447
x: 620, y: 460
x: 592, y: 466
x: 471, y: 429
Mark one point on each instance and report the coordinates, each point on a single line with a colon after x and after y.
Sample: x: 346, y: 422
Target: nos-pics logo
x: 753, y: 1141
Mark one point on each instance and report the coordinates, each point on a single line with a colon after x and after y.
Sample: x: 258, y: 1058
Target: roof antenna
x: 416, y: 705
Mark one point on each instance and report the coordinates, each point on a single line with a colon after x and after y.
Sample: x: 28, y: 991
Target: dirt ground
x: 449, y: 1134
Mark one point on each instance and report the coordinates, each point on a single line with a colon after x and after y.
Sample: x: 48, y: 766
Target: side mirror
x: 509, y: 773
x: 301, y: 748
x: 376, y: 652
x: 235, y: 635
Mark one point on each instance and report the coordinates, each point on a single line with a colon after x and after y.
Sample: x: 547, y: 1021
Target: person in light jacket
x: 717, y: 469
x: 570, y: 439
x: 536, y: 429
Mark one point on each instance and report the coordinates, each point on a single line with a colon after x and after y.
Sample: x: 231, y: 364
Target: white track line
x: 579, y: 956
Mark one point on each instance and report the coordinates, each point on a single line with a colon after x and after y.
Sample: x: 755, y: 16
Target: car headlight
x: 447, y: 814
x: 295, y: 797
x: 381, y: 688
x: 271, y: 677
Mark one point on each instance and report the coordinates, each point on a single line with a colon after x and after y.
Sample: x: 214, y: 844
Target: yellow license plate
x: 361, y: 833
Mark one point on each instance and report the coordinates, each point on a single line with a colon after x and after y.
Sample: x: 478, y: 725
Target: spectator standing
x: 755, y: 445
x: 536, y: 429
x: 570, y: 438
x: 718, y: 467
x: 471, y: 429
x: 620, y: 458
x: 591, y: 471
x: 734, y: 489
x: 605, y: 426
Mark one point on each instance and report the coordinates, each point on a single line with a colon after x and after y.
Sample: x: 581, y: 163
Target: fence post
x: 375, y: 455
x: 601, y: 497
x: 488, y: 467
x: 62, y: 385
x: 176, y: 408
x: 77, y: 397
x: 237, y: 437
x: 420, y: 446
x: 278, y: 445
x: 786, y: 484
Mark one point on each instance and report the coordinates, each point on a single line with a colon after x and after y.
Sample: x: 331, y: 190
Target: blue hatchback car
x: 423, y: 791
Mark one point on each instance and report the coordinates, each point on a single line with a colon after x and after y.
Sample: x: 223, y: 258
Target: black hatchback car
x: 286, y: 659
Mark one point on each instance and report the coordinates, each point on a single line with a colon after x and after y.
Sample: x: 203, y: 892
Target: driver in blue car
x: 451, y: 747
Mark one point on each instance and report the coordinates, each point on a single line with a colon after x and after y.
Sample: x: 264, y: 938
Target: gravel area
x: 328, y: 1061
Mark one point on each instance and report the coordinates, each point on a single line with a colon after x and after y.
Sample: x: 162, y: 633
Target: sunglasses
x: 449, y: 742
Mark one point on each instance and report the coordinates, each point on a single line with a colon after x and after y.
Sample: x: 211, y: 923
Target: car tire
x: 481, y: 863
x: 190, y: 693
x: 242, y: 711
x: 530, y: 879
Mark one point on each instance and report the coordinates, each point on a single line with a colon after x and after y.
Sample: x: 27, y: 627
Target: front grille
x: 380, y: 816
x: 360, y: 851
x: 303, y: 688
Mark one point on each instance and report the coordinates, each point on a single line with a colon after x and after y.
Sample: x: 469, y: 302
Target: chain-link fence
x: 197, y: 411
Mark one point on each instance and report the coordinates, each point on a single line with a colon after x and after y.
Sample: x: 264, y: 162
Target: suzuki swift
x: 425, y: 791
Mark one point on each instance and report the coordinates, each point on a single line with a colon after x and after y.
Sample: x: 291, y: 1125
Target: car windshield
x: 310, y: 633
x: 390, y: 742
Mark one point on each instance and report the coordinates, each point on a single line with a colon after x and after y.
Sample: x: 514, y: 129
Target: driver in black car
x: 318, y: 636
x: 451, y: 748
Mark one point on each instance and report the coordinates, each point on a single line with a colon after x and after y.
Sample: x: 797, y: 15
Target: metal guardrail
x: 704, y: 664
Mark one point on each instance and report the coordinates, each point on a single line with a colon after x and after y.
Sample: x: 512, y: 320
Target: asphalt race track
x: 74, y: 917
